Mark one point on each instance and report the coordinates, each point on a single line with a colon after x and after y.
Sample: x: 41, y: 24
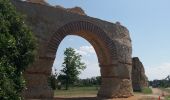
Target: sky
x: 148, y: 22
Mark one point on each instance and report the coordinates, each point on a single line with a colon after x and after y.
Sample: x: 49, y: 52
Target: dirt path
x: 157, y: 93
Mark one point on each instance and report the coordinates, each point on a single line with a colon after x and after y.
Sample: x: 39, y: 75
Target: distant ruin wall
x: 139, y: 78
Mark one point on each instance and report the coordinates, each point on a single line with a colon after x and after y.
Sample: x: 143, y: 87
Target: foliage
x: 53, y: 81
x: 72, y: 67
x: 93, y: 81
x: 17, y: 49
x: 160, y: 83
x: 167, y: 97
x: 147, y: 90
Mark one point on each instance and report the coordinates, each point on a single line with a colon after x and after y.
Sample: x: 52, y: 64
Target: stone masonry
x: 37, y: 1
x: 139, y: 79
x: 51, y: 25
x: 76, y: 10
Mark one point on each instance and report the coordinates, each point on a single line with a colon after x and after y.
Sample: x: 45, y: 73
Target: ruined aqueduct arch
x: 111, y: 42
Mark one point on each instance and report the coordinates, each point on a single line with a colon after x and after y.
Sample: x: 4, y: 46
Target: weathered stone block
x: 42, y: 65
x: 119, y: 70
x: 139, y: 79
x: 115, y: 88
x: 37, y: 86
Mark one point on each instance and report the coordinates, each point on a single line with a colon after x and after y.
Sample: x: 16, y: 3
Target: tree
x: 93, y: 81
x: 17, y: 50
x: 53, y: 80
x: 99, y: 80
x: 72, y: 67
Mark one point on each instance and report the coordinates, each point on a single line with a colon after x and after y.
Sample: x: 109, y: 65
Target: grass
x: 87, y: 91
x: 146, y: 90
x: 167, y: 98
x: 77, y: 92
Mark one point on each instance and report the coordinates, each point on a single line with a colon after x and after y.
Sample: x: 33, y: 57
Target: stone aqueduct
x: 111, y: 42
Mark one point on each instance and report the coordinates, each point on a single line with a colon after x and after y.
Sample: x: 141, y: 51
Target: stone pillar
x: 139, y: 78
x: 37, y: 80
x: 116, y: 81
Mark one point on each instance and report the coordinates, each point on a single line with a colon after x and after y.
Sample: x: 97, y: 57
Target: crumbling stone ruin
x: 51, y: 25
x: 38, y: 1
x: 76, y: 10
x: 139, y: 78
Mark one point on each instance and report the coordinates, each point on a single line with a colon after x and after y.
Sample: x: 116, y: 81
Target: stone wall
x: 51, y: 25
x: 37, y: 1
x: 139, y: 78
x: 76, y: 10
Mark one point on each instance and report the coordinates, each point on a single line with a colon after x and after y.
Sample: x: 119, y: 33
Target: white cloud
x: 92, y: 70
x: 89, y: 49
x: 158, y: 72
x: 92, y: 67
x: 85, y: 50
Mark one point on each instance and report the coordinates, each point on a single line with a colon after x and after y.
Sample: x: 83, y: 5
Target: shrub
x: 147, y: 90
x: 17, y: 50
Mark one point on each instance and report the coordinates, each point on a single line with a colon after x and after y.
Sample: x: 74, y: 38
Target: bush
x: 17, y: 50
x: 167, y: 98
x: 147, y: 90
x: 52, y: 82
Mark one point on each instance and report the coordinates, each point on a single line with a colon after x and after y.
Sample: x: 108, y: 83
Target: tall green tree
x: 17, y: 50
x: 72, y: 67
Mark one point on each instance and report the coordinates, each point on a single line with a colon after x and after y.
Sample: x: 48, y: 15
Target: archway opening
x: 88, y: 82
x: 103, y: 45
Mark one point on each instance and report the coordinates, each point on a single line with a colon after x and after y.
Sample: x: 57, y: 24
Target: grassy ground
x: 147, y: 90
x: 77, y: 92
x: 167, y: 98
x: 87, y: 91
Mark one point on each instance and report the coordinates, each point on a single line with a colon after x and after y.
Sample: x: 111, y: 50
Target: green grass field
x: 77, y: 92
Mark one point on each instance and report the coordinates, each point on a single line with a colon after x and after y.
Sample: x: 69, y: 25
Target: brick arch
x: 114, y: 53
x: 103, y: 45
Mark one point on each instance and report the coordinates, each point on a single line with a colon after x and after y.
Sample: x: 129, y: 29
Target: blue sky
x: 148, y: 22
